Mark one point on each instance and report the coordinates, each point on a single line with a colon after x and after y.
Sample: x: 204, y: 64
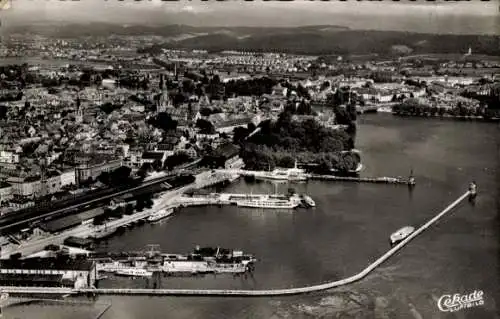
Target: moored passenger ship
x: 270, y: 202
x: 200, y: 261
x: 208, y: 260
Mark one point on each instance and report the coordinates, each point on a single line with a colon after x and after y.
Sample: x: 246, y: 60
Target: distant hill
x: 346, y: 42
x: 323, y: 39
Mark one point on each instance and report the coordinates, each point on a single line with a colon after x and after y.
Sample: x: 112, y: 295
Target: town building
x: 10, y: 157
x: 94, y: 167
x: 48, y: 272
x: 5, y: 192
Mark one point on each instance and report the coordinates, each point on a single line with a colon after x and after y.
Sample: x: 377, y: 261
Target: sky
x: 420, y: 16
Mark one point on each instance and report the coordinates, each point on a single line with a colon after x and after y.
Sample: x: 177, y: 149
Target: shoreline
x: 450, y: 117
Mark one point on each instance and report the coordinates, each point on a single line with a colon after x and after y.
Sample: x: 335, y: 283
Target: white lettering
x: 456, y: 302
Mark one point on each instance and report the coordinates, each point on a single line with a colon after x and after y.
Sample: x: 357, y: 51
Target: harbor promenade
x: 251, y: 293
x: 167, y: 199
x: 377, y: 180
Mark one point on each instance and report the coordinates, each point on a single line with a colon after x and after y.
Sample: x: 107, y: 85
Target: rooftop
x: 4, y: 184
x: 60, y: 224
x: 78, y: 241
x: 152, y: 155
x: 47, y: 263
x: 30, y: 279
x: 227, y: 150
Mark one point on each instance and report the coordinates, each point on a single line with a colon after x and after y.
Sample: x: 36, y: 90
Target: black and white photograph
x: 249, y: 159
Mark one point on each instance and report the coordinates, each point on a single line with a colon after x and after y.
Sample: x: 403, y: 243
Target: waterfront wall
x: 449, y: 117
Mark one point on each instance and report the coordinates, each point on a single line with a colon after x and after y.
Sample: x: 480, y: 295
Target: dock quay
x: 380, y: 180
x: 249, y: 293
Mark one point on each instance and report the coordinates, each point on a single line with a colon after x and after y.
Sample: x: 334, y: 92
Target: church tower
x: 79, y: 111
x: 163, y: 101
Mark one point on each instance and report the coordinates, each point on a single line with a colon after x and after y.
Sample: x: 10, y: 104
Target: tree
x: 108, y: 107
x: 142, y: 172
x: 118, y: 177
x: 99, y: 220
x: 148, y: 203
x: 164, y: 122
x: 121, y: 174
x: 3, y: 112
x: 129, y: 209
x: 304, y: 108
x: 325, y: 85
x: 206, y: 127
x: 286, y: 140
x: 188, y: 86
x: 104, y: 178
x: 139, y: 206
x: 117, y: 212
x: 156, y: 165
x: 324, y: 165
x: 239, y: 134
x: 177, y: 159
x: 251, y: 127
x: 205, y: 111
x: 286, y: 161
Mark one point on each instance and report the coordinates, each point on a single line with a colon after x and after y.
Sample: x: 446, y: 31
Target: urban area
x: 99, y: 135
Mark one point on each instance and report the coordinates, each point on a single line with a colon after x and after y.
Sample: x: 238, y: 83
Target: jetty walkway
x: 381, y: 180
x: 247, y: 293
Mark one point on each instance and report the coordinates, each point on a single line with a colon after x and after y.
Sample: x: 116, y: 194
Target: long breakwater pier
x: 248, y: 293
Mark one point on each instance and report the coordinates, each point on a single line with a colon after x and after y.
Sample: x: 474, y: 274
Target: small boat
x: 160, y: 214
x: 308, y: 201
x: 401, y: 234
x: 133, y: 272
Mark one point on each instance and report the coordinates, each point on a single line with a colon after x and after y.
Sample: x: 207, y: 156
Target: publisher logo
x: 456, y: 302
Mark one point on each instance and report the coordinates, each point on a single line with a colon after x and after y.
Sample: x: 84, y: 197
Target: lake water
x: 347, y: 230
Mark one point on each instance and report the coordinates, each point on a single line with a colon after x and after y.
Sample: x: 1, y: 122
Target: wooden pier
x: 379, y: 180
x: 249, y: 293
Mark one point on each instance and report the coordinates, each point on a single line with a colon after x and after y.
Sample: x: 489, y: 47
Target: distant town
x: 105, y: 106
